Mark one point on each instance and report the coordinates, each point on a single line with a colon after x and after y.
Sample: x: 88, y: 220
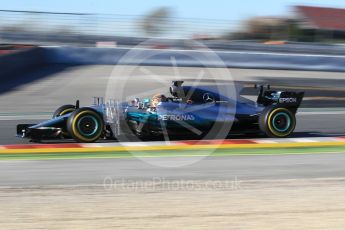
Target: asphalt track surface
x: 48, y: 87
x: 38, y: 92
x: 96, y: 171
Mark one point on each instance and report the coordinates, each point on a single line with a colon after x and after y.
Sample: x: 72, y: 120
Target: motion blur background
x: 128, y: 22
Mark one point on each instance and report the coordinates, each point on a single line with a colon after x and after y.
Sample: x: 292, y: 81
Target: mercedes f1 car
x: 200, y: 113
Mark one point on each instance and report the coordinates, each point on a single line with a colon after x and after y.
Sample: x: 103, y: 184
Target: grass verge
x: 174, y: 153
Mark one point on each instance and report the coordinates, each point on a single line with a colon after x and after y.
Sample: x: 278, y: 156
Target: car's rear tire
x: 85, y: 125
x: 277, y: 121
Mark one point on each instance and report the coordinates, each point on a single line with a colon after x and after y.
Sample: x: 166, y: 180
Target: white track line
x: 176, y: 143
x: 303, y: 140
x: 263, y: 141
x: 321, y: 113
x: 24, y: 117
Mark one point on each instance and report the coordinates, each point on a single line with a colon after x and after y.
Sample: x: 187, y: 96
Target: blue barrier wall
x: 26, y: 59
x: 234, y: 59
x: 20, y: 61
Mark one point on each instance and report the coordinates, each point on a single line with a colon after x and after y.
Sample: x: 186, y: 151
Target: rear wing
x: 287, y: 99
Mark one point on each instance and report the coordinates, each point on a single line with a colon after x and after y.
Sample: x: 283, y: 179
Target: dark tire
x: 85, y: 125
x: 62, y: 110
x: 277, y: 121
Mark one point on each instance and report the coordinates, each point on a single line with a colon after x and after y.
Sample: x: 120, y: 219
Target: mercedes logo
x: 207, y: 97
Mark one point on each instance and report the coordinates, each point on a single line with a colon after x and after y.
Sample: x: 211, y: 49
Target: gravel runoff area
x: 159, y: 204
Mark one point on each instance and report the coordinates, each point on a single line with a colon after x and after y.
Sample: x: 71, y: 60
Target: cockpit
x: 179, y: 94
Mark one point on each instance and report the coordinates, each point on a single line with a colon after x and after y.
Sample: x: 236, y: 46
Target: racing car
x: 188, y: 111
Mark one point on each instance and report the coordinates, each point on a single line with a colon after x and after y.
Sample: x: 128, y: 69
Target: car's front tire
x: 63, y: 110
x: 277, y: 121
x: 85, y: 125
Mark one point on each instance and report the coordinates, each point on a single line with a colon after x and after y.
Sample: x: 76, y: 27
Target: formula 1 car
x: 200, y: 113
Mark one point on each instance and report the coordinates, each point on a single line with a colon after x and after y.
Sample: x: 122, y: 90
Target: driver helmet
x: 156, y: 99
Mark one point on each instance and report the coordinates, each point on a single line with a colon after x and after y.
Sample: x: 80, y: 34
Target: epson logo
x: 288, y: 100
x: 184, y: 117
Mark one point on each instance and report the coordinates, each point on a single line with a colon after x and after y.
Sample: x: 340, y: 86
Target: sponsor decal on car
x: 173, y: 117
x: 288, y: 100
